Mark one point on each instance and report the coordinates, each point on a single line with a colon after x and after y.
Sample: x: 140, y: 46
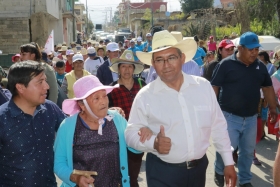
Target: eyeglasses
x: 171, y: 60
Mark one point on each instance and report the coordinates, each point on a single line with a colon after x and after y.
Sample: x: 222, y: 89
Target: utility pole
x: 106, y: 19
x: 127, y: 14
x: 152, y: 12
x: 74, y: 22
x: 87, y: 19
x: 111, y: 15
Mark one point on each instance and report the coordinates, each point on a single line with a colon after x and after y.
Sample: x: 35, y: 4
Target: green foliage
x: 116, y: 18
x: 148, y: 18
x: 227, y: 31
x: 190, y: 30
x: 189, y: 5
x: 90, y: 25
x: 201, y: 29
x: 262, y: 10
x: 147, y: 15
x: 178, y: 16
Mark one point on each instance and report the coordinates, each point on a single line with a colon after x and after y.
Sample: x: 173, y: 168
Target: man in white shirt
x: 93, y: 62
x: 181, y: 117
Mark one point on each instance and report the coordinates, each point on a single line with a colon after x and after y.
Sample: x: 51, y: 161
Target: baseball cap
x: 132, y: 41
x: 139, y: 39
x: 250, y: 40
x: 69, y: 52
x: 226, y: 44
x: 77, y: 57
x: 113, y: 46
x: 211, y: 37
x: 107, y: 40
x: 91, y: 51
x: 148, y: 34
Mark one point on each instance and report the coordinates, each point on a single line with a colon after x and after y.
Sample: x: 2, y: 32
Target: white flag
x: 49, y: 46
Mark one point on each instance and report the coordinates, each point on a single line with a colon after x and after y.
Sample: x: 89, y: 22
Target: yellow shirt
x: 71, y: 79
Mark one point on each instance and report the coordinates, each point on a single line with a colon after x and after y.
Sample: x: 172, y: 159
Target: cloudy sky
x: 97, y: 9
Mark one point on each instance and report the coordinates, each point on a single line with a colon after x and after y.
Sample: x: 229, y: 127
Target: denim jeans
x: 242, y: 133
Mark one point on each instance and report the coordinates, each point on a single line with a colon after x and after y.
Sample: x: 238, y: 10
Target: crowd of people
x: 97, y: 107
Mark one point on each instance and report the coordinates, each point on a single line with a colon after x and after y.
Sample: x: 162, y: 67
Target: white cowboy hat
x: 178, y: 35
x: 164, y: 40
x: 126, y: 58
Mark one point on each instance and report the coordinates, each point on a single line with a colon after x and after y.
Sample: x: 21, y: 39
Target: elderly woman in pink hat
x: 92, y: 138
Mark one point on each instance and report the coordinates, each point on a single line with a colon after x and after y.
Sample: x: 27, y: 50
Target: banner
x: 49, y: 46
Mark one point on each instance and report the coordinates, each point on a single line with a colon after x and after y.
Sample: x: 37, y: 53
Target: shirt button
x: 123, y: 168
x: 124, y: 180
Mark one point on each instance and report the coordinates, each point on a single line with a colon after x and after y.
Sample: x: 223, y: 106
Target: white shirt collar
x: 159, y: 84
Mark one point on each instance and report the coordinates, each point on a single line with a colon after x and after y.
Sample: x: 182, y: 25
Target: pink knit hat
x: 84, y: 87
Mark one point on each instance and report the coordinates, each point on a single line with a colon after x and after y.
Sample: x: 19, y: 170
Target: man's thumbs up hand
x: 161, y: 132
x: 162, y: 144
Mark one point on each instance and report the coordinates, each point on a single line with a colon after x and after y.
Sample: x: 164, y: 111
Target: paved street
x: 262, y: 175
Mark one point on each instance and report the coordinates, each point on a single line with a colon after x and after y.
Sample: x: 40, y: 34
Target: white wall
x: 69, y: 24
x: 57, y: 27
x: 53, y: 7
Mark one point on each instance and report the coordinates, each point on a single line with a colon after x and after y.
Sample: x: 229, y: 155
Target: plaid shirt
x: 123, y: 98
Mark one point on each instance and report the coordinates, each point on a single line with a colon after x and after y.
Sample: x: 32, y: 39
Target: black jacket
x: 104, y: 74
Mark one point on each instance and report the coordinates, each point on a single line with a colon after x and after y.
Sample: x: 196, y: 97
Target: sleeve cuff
x: 227, y: 158
x: 150, y: 143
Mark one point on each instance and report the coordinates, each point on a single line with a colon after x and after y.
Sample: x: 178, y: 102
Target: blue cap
x: 250, y: 40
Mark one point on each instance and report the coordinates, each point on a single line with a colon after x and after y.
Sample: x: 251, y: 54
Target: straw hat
x: 178, y: 35
x: 63, y: 48
x: 126, y: 58
x: 164, y: 40
x: 83, y: 51
x: 101, y: 47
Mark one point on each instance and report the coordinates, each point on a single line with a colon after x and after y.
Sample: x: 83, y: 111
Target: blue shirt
x: 26, y: 145
x: 197, y: 57
x: 140, y: 47
x: 59, y: 77
x: 134, y: 49
x: 149, y: 47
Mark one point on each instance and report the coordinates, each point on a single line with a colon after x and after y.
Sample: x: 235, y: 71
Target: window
x: 77, y: 11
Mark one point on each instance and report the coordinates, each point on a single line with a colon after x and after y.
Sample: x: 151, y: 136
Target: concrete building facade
x: 23, y: 21
x: 81, y: 17
x: 126, y: 8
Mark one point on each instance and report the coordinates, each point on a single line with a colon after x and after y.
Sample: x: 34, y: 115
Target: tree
x: 189, y: 5
x: 262, y: 10
x: 116, y: 18
x: 148, y: 18
x: 242, y: 15
x: 90, y: 25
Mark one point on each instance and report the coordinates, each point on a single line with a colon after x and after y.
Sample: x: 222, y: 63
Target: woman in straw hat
x: 91, y: 139
x: 101, y: 52
x: 123, y: 97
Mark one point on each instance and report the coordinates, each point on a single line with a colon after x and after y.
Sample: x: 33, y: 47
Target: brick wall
x: 14, y: 33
